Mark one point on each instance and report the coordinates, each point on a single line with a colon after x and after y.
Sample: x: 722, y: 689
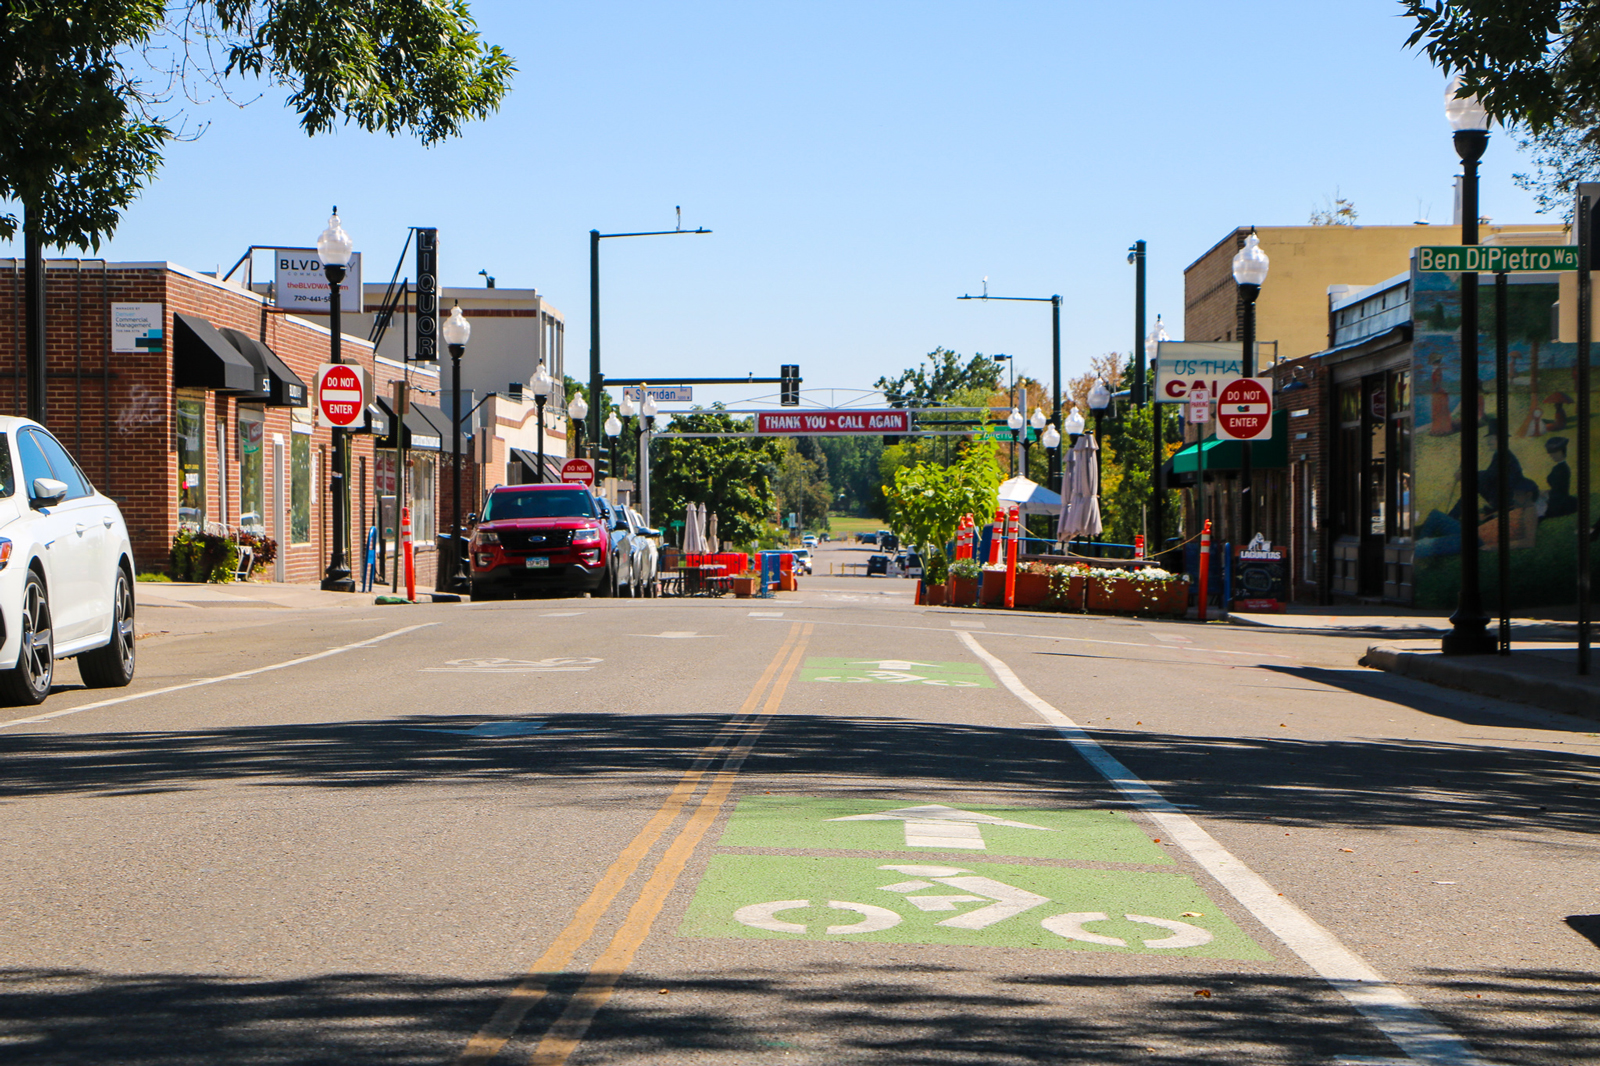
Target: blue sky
x: 861, y: 164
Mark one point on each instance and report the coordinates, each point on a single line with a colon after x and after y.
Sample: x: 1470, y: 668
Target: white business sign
x: 1185, y: 365
x: 302, y: 286
x: 132, y: 323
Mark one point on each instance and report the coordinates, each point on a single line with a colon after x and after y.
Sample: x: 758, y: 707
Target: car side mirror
x: 472, y: 517
x: 47, y: 491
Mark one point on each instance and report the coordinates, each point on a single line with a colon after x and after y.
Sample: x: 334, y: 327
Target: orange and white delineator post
x: 996, y: 536
x: 961, y: 537
x: 406, y: 551
x: 1013, y: 540
x: 1203, y: 594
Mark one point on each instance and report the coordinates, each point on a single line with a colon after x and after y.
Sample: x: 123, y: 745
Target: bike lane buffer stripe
x: 497, y: 1031
x: 569, y: 1030
x: 1411, y: 1028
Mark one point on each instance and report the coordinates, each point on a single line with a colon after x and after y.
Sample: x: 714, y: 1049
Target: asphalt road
x: 830, y: 828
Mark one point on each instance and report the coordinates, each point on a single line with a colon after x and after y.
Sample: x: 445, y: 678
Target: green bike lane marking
x: 895, y: 672
x: 926, y: 880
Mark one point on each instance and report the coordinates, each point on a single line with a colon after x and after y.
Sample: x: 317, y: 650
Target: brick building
x: 188, y: 401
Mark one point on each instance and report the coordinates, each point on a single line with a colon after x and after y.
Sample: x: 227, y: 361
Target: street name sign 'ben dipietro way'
x: 1493, y: 259
x: 1244, y: 409
x: 341, y: 394
x: 833, y: 423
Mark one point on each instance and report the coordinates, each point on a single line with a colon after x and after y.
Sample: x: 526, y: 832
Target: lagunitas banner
x: 833, y: 423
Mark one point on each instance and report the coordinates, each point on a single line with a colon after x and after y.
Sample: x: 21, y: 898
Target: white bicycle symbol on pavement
x: 1003, y: 902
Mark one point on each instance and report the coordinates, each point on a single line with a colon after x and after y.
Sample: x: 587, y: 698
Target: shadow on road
x: 1370, y: 781
x: 839, y: 1013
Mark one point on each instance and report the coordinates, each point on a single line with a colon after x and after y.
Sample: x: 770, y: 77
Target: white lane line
x: 1412, y: 1029
x: 214, y: 680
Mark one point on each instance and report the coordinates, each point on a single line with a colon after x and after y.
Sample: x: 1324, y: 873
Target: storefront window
x: 1400, y: 453
x: 422, y: 521
x: 191, y: 463
x: 299, y: 486
x: 252, y: 470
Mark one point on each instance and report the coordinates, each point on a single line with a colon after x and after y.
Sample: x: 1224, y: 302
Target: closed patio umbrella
x: 1081, y: 516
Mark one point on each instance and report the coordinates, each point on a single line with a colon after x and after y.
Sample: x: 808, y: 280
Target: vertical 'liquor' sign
x: 427, y: 294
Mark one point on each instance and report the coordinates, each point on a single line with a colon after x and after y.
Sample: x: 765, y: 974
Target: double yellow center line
x: 731, y: 745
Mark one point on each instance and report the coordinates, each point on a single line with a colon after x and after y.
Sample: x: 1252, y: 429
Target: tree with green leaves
x: 734, y: 477
x: 936, y: 381
x: 927, y: 500
x: 1535, y: 65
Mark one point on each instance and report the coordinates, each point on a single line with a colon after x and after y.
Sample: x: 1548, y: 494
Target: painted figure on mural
x: 1560, y: 501
x: 1440, y: 421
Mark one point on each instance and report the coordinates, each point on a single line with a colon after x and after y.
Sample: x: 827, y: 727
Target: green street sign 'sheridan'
x: 1493, y: 259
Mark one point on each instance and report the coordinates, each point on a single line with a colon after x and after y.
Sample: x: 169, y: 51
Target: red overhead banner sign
x: 833, y: 423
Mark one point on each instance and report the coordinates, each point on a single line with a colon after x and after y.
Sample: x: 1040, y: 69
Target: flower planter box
x: 744, y: 587
x: 1031, y: 591
x: 1126, y: 596
x: 994, y: 588
x: 1069, y: 599
x: 933, y: 595
x: 962, y: 591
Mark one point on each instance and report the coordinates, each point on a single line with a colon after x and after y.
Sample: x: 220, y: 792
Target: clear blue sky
x: 861, y: 164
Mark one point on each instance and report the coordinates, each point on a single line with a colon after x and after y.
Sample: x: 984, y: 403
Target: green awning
x: 1229, y: 454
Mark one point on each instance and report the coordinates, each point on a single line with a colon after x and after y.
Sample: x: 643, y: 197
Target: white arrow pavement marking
x: 938, y: 826
x: 889, y: 664
x: 941, y: 903
x: 1071, y: 926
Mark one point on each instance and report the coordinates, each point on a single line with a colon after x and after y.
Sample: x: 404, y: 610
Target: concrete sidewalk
x: 1544, y: 674
x: 185, y: 595
x: 1389, y: 621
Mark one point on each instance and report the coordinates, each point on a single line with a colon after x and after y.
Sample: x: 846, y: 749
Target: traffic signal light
x: 789, y: 387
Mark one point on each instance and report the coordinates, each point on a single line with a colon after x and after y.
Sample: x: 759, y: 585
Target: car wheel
x: 112, y: 665
x: 28, y: 682
x: 608, y: 584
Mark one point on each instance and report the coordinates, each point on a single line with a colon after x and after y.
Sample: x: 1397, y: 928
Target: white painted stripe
x: 1413, y: 1030
x: 214, y: 680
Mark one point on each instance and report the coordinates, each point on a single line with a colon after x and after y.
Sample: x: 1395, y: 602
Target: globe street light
x: 578, y: 410
x: 1014, y: 421
x: 1099, y: 400
x: 541, y: 385
x: 457, y: 330
x: 334, y: 249
x: 1074, y: 425
x: 1249, y: 272
x: 612, y: 428
x: 1469, y: 625
x: 1037, y: 421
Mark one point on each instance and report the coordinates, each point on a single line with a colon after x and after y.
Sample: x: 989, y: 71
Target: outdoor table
x: 701, y: 578
x: 671, y: 582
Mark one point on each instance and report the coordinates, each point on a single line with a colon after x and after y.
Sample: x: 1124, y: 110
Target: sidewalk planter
x: 787, y: 582
x: 1032, y: 589
x: 1141, y: 592
x: 933, y: 595
x: 1066, y: 592
x: 994, y: 588
x: 962, y: 591
x: 744, y: 587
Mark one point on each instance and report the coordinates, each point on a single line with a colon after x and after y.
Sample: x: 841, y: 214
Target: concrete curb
x: 1566, y: 697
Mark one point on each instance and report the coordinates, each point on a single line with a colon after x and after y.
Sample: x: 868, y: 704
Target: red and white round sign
x: 1244, y: 409
x: 341, y: 395
x: 578, y: 472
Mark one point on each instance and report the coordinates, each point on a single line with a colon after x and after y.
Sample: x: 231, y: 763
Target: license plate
x: 537, y: 562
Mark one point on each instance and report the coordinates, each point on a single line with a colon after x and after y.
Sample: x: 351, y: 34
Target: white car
x: 802, y: 560
x: 648, y: 564
x: 66, y: 570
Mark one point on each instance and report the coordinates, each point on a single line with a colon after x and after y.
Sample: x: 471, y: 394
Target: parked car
x: 625, y: 545
x: 802, y: 560
x: 909, y: 564
x: 66, y: 570
x: 648, y: 562
x: 866, y: 538
x: 540, y: 538
x: 878, y: 564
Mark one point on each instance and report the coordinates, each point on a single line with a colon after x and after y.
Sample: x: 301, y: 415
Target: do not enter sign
x: 578, y: 472
x: 1244, y: 409
x: 341, y: 394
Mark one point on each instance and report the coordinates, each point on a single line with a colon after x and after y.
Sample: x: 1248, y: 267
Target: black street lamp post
x: 577, y: 411
x: 1099, y: 400
x: 334, y: 249
x: 613, y: 429
x: 1469, y: 625
x: 457, y: 330
x: 542, y: 384
x: 1249, y: 272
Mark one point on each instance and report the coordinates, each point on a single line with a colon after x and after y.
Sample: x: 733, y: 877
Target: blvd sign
x: 577, y: 472
x: 341, y: 395
x: 1244, y: 409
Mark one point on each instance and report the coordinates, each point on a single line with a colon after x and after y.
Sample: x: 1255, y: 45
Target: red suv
x: 541, y: 538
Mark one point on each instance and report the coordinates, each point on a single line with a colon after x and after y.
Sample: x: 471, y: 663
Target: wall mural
x: 1544, y: 433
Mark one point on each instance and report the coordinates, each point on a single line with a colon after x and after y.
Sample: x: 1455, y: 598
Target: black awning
x: 530, y: 462
x: 285, y: 389
x: 203, y: 359
x: 418, y: 433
